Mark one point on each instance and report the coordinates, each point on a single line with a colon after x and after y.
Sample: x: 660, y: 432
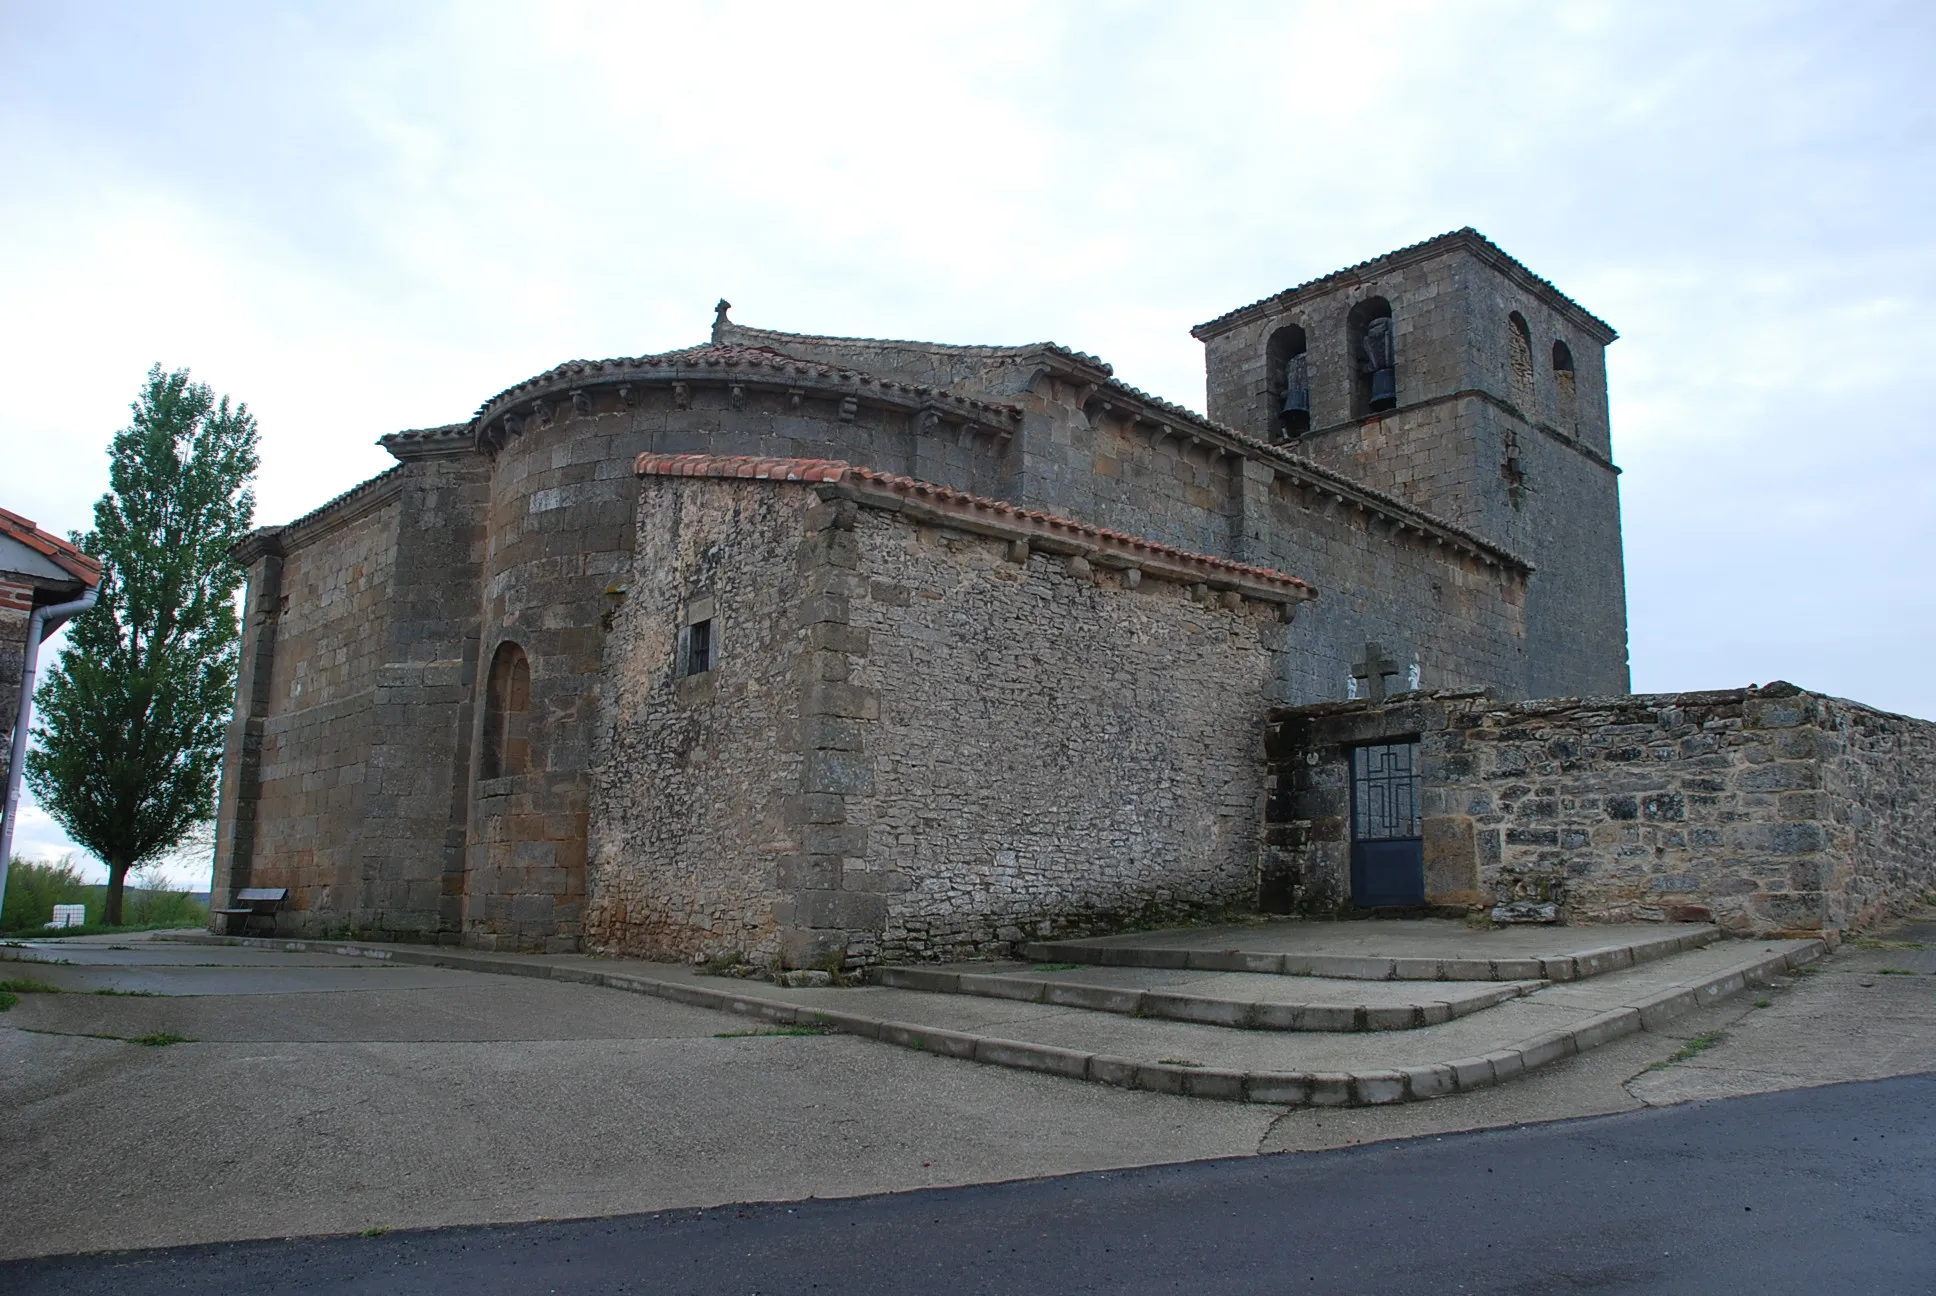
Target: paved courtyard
x: 313, y: 1094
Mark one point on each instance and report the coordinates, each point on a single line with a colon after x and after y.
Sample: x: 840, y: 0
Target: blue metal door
x: 1387, y: 850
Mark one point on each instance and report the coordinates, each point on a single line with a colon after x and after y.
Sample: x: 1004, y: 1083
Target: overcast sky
x: 365, y: 217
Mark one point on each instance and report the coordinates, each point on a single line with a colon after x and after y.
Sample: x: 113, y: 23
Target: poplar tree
x: 129, y: 725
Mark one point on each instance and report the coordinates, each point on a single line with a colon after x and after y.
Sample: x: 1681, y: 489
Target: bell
x: 1297, y: 400
x: 1384, y: 390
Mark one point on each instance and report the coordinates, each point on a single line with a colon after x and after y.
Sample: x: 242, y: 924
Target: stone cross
x: 1374, y: 670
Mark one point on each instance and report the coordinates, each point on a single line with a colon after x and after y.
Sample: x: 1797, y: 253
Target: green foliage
x: 34, y: 889
x: 155, y: 908
x: 130, y: 723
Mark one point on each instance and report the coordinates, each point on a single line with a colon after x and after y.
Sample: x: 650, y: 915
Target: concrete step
x: 1431, y: 950
x: 1284, y: 1068
x: 1243, y: 1000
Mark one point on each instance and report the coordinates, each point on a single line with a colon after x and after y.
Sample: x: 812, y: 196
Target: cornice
x: 745, y: 368
x: 1465, y: 239
x: 430, y: 443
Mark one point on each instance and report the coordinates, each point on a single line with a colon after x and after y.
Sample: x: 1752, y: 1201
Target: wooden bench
x: 254, y: 904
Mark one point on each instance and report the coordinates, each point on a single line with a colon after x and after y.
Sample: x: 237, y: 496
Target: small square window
x: 699, y: 647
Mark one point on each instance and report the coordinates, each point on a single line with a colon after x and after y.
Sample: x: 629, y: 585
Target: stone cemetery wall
x: 1763, y: 810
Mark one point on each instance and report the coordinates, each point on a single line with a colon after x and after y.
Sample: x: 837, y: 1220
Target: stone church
x: 823, y: 651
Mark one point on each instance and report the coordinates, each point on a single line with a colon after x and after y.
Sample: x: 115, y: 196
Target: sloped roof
x: 763, y: 468
x: 1465, y: 236
x: 80, y: 566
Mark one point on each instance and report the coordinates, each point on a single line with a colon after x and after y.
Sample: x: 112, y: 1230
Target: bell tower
x: 1449, y: 375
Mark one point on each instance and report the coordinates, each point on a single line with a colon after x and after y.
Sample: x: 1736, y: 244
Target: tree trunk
x: 117, y: 881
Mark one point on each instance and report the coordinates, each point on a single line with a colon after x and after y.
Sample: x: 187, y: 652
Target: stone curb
x: 1571, y: 967
x: 1206, y: 1010
x: 1293, y: 1089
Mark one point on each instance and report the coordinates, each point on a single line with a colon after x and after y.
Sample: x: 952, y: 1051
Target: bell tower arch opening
x: 1287, y: 360
x: 1519, y: 361
x: 1374, y: 357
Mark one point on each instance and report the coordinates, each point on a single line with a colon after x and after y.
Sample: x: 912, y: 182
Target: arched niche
x: 507, y: 709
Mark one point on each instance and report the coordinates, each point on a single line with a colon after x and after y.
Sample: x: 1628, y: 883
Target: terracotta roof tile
x: 80, y: 566
x: 723, y: 356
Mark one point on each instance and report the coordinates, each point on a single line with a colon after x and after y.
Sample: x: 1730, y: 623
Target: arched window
x: 1520, y: 360
x: 1374, y: 357
x: 507, y: 707
x: 1289, y: 385
x: 1568, y: 393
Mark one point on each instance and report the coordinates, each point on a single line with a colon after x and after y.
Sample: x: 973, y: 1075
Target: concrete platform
x: 1278, y: 1067
x: 1418, y: 949
x: 1240, y: 1000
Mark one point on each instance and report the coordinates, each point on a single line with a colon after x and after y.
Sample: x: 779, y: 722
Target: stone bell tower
x: 1450, y: 376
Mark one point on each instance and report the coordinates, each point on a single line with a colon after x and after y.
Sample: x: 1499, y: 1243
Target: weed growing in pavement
x: 1182, y: 1062
x: 161, y: 1039
x: 1056, y: 967
x: 22, y: 986
x: 774, y: 1030
x: 1896, y: 971
x: 127, y: 994
x: 377, y: 1230
x: 1871, y: 943
x: 1764, y: 1002
x: 1692, y: 1049
x: 8, y: 1000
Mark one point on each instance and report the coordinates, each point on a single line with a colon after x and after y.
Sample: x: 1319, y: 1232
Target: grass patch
x: 128, y: 994
x: 8, y: 999
x: 1692, y: 1049
x: 1056, y: 967
x: 34, y: 889
x: 1869, y: 943
x: 774, y: 1030
x: 92, y: 929
x: 160, y: 1039
x: 1182, y: 1062
x: 24, y: 986
x: 1895, y: 971
x: 375, y: 1231
x: 1764, y: 1002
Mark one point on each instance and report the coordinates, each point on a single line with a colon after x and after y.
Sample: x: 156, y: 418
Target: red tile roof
x: 80, y: 566
x: 961, y: 502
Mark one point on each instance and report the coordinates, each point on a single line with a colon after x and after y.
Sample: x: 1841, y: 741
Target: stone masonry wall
x: 1879, y: 782
x: 1763, y: 810
x: 412, y: 833
x: 1058, y: 752
x: 697, y: 820
x: 315, y: 733
x: 917, y: 742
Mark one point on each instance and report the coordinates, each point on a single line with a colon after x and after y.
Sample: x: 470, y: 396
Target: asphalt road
x: 1829, y: 1188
